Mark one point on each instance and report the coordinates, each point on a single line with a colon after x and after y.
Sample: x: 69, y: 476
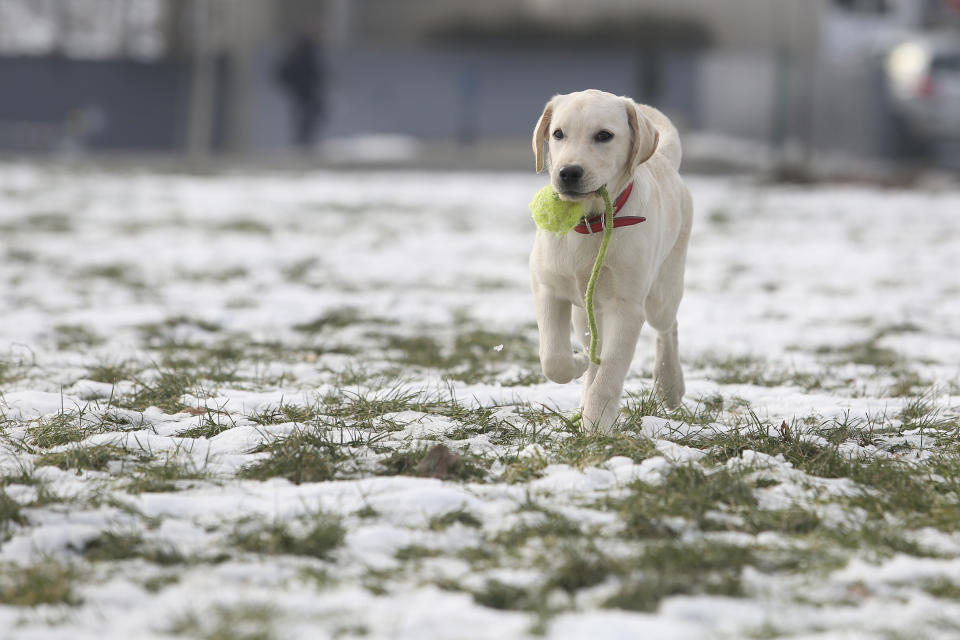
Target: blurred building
x: 199, y: 74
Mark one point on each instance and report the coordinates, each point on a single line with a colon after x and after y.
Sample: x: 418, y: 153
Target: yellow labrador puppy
x: 591, y: 139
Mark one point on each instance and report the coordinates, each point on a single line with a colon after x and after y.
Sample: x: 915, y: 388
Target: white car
x: 923, y: 82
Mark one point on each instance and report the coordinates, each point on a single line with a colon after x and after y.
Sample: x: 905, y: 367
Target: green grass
x: 672, y: 568
x: 27, y: 476
x: 95, y: 458
x: 68, y: 426
x: 127, y: 275
x: 307, y: 454
x: 662, y: 569
x: 159, y: 582
x: 500, y: 595
x: 333, y: 319
x: 6, y: 372
x: 793, y: 442
x: 591, y: 449
x: 161, y: 477
x: 524, y: 469
x: 546, y: 529
x: 165, y: 392
x: 415, y: 552
x: 580, y: 568
x: 218, y: 362
x: 411, y: 462
x: 356, y: 398
x: 111, y: 546
x: 74, y: 337
x: 866, y: 352
x: 45, y: 583
x: 249, y: 621
x: 61, y: 428
x: 322, y: 535
x: 746, y: 369
x: 703, y: 411
x: 245, y: 225
x: 923, y: 412
x: 473, y: 355
x: 686, y: 492
x: 325, y: 446
x: 10, y: 515
x: 910, y: 492
x: 450, y: 518
x: 40, y: 222
x: 942, y: 588
x: 111, y: 372
x: 351, y: 631
x: 908, y: 384
x: 164, y: 331
x: 211, y: 423
x: 283, y: 413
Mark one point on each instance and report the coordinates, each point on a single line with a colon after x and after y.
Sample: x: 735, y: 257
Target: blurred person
x: 469, y: 86
x: 301, y: 75
x: 81, y: 127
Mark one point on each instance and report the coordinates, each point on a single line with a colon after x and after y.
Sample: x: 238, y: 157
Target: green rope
x: 595, y: 274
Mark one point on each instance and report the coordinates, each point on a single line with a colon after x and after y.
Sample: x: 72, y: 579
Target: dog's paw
x: 669, y: 391
x: 671, y: 397
x: 599, y: 422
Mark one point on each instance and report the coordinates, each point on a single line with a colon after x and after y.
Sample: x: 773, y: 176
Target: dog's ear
x: 644, y: 136
x: 540, y: 134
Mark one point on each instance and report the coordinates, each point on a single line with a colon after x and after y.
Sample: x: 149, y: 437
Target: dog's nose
x: 571, y: 173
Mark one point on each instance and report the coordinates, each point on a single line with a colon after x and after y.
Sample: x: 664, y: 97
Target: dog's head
x: 592, y: 138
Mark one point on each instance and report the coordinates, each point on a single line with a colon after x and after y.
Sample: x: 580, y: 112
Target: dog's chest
x: 564, y: 265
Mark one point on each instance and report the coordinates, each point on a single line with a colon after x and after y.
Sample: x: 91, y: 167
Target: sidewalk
x: 703, y: 154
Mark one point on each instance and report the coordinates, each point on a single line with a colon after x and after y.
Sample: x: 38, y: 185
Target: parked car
x: 923, y: 86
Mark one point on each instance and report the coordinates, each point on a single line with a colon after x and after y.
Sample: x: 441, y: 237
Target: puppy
x: 591, y: 139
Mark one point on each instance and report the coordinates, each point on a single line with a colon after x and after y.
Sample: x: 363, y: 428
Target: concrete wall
x: 138, y: 105
x: 739, y: 25
x: 437, y: 95
x: 445, y: 95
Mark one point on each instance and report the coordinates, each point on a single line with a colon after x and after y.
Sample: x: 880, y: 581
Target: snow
x: 790, y: 276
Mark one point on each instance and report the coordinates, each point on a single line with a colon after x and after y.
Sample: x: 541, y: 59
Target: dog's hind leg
x: 661, y: 307
x: 667, y: 374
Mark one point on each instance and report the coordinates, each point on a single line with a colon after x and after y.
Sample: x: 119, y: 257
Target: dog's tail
x: 669, y: 145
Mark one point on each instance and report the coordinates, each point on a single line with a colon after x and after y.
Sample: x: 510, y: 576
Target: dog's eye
x: 558, y: 134
x: 603, y: 136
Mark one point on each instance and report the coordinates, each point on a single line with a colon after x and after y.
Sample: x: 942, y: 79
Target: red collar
x: 595, y: 224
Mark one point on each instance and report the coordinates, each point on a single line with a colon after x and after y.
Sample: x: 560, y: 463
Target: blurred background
x: 794, y: 87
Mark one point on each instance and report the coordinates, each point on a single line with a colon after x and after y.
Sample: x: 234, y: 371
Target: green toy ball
x: 553, y: 214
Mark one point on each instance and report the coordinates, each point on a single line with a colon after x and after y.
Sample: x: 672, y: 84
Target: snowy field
x: 220, y: 398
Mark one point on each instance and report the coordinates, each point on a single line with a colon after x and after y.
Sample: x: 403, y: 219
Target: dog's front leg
x: 559, y: 362
x: 581, y: 329
x: 620, y: 329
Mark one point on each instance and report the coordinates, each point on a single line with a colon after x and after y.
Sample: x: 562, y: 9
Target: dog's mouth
x: 576, y: 195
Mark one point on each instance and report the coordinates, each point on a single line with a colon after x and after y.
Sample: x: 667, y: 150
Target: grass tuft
x: 671, y: 568
x: 10, y: 514
x: 433, y: 463
x: 306, y: 455
x: 44, y: 583
x: 322, y: 536
x: 249, y: 621
x: 94, y: 458
x: 165, y: 392
x: 112, y: 546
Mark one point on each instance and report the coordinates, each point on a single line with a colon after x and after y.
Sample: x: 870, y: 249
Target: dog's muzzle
x: 570, y: 176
